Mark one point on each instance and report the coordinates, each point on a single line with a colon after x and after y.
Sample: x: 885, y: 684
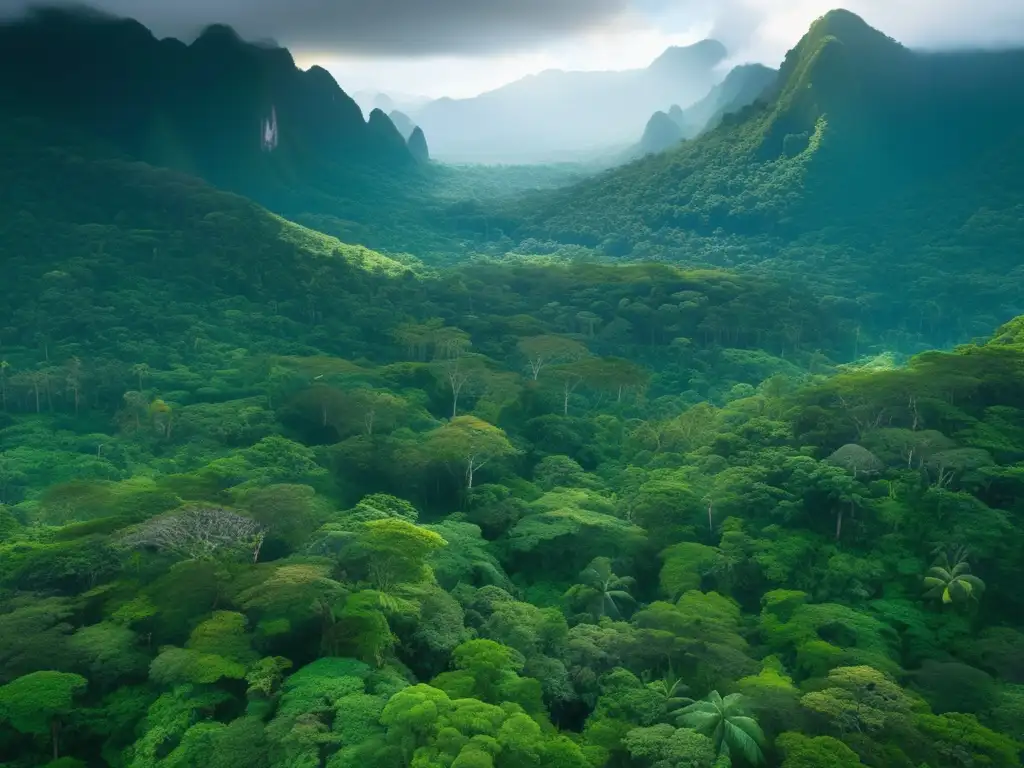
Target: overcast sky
x: 462, y: 47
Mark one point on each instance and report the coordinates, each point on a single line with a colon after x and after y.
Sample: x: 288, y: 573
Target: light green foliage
x: 167, y: 721
x: 176, y: 666
x: 825, y: 635
x: 467, y: 559
x: 34, y: 702
x: 859, y: 699
x: 683, y: 567
x: 950, y: 580
x: 489, y: 671
x: 800, y: 751
x: 396, y: 551
x: 381, y: 506
x: 662, y: 746
x: 733, y: 733
x: 302, y: 721
x: 772, y: 696
x: 571, y: 528
x: 429, y: 728
x: 470, y: 444
x: 223, y: 634
x: 959, y: 734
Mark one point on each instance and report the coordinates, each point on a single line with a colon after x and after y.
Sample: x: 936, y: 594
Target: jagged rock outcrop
x: 418, y: 145
x: 662, y: 132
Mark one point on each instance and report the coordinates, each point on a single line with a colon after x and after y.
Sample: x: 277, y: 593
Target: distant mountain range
x: 388, y: 102
x: 556, y: 115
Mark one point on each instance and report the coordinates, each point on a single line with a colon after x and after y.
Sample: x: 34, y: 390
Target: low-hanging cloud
x: 764, y: 29
x: 389, y: 28
x: 753, y: 30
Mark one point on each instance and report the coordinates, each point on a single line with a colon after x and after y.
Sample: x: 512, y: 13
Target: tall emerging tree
x: 35, y: 703
x: 469, y: 442
x: 725, y: 721
x: 541, y: 351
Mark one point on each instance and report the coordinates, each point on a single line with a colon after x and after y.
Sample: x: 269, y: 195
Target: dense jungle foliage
x: 272, y: 500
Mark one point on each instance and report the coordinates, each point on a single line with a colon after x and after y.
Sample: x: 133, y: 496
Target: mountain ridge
x: 241, y: 115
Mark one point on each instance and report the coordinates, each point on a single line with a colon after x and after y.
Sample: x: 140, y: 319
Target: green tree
x: 542, y: 351
x: 950, y: 579
x: 468, y: 442
x: 601, y: 591
x: 36, y: 702
x: 800, y: 751
x: 725, y: 721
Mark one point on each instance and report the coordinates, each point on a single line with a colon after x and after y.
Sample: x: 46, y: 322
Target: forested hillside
x: 883, y: 172
x: 273, y: 501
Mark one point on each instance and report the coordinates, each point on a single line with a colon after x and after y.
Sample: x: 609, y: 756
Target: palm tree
x: 602, y: 589
x: 725, y: 722
x: 671, y: 689
x: 950, y: 579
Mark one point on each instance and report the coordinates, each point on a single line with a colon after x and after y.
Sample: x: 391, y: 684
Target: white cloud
x: 631, y: 42
x: 753, y: 30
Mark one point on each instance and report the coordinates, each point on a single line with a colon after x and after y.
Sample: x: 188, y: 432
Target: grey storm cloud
x: 371, y: 27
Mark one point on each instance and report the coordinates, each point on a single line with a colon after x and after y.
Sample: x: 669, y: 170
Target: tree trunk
x: 839, y: 523
x: 54, y: 735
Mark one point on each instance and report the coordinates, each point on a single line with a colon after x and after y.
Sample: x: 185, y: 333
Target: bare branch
x: 198, y: 533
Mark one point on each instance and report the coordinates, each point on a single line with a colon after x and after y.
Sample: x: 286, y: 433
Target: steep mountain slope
x: 855, y: 119
x: 899, y: 164
x: 555, y: 113
x: 240, y: 115
x: 418, y: 145
x: 742, y: 87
